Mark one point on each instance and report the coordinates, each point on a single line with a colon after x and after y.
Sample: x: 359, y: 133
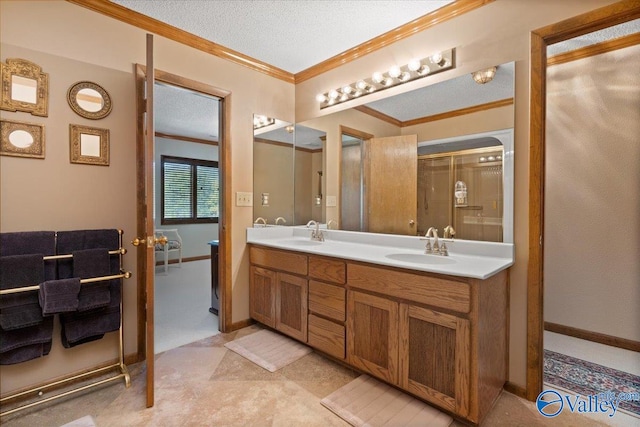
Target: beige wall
x: 493, y: 34
x: 592, y: 194
x: 73, y: 43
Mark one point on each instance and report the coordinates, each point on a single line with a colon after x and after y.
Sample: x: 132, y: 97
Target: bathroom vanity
x: 431, y: 325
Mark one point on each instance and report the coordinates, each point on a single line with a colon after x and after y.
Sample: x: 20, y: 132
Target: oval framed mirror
x: 89, y: 100
x: 21, y: 139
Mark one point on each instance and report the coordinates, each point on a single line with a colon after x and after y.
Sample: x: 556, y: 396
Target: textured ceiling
x: 595, y: 37
x: 291, y: 35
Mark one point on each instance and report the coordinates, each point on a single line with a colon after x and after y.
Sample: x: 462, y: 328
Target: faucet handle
x: 449, y: 232
x: 427, y: 248
x: 443, y: 249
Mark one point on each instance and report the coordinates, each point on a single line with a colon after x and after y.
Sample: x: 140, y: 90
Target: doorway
x: 186, y: 201
x: 587, y: 23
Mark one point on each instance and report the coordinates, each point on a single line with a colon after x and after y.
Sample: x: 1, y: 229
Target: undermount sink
x: 300, y: 242
x: 421, y: 258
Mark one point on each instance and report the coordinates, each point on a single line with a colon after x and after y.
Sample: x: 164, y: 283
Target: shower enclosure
x: 463, y: 189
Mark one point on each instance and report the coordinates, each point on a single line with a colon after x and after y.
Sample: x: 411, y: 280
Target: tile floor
x: 204, y: 384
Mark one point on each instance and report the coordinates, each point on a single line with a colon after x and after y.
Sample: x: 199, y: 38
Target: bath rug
x: 366, y: 401
x: 86, y: 421
x: 587, y: 378
x: 269, y: 350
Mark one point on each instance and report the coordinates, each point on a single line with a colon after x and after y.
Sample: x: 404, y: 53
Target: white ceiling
x: 291, y: 35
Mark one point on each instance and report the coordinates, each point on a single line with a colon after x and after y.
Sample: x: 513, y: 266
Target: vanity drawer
x: 327, y: 300
x: 326, y: 336
x: 327, y: 269
x: 421, y: 288
x: 291, y: 262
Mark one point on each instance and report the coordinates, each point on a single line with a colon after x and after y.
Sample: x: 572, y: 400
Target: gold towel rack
x: 122, y: 372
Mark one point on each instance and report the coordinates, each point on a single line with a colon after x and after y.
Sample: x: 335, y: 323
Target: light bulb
x: 362, y: 85
x: 377, y: 77
x: 483, y: 159
x: 424, y: 70
x: 321, y: 98
x: 395, y: 71
x: 414, y: 65
x: 404, y: 76
x: 333, y: 94
x: 347, y: 89
x: 357, y: 93
x: 344, y: 97
x: 436, y: 58
x: 388, y: 81
x: 371, y: 89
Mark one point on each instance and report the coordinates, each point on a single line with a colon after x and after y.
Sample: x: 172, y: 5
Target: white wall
x: 194, y: 236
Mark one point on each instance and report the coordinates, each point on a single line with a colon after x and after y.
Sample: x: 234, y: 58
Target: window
x: 190, y: 191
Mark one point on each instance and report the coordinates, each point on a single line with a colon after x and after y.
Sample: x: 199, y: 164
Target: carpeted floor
x: 588, y: 378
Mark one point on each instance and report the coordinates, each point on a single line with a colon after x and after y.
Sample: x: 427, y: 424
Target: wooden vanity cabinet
x: 440, y: 338
x: 276, y: 298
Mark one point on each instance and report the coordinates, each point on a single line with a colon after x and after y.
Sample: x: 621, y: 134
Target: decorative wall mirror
x: 24, y: 87
x: 88, y: 145
x: 89, y: 100
x: 22, y: 139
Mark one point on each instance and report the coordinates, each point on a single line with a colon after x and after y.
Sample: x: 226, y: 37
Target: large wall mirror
x: 288, y: 177
x: 397, y: 165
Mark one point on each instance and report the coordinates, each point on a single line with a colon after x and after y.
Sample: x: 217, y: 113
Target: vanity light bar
x: 397, y: 75
x: 262, y: 121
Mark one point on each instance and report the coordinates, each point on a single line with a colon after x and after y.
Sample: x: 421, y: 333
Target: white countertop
x: 467, y: 258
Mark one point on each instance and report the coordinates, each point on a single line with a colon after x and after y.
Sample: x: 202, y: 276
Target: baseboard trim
x: 515, y: 389
x: 241, y: 324
x: 597, y: 337
x: 193, y: 258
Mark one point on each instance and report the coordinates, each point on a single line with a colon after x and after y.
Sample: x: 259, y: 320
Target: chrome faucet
x: 260, y: 220
x: 432, y: 232
x: 284, y: 221
x: 449, y: 232
x: 330, y: 222
x: 316, y: 234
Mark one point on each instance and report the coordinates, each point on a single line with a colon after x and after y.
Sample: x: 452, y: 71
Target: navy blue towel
x: 91, y: 324
x: 22, y: 309
x: 31, y: 242
x: 88, y: 263
x: 59, y: 296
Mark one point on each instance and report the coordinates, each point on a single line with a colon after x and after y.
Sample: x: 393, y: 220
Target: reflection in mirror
x: 309, y: 175
x: 21, y: 139
x: 90, y: 100
x: 273, y: 170
x: 89, y: 145
x: 448, y: 113
x: 24, y: 89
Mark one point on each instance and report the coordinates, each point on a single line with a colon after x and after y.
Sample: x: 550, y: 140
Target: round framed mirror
x: 89, y: 100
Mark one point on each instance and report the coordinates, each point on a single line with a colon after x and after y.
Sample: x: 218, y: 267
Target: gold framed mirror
x: 89, y: 100
x: 21, y: 139
x: 88, y: 145
x: 24, y: 87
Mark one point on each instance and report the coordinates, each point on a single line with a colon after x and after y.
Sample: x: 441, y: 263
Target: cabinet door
x: 372, y: 335
x: 434, y: 357
x: 262, y: 296
x: 291, y: 306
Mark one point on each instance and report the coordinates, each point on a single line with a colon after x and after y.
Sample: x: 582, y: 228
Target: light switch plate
x: 331, y: 201
x: 244, y: 198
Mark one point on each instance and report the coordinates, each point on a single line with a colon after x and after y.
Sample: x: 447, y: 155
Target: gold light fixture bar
x: 395, y: 76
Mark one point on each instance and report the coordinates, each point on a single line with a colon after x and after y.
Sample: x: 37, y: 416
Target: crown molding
x: 438, y: 16
x: 121, y: 13
x: 147, y: 23
x: 595, y: 49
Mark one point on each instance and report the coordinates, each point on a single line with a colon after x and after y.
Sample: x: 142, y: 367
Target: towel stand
x: 122, y: 371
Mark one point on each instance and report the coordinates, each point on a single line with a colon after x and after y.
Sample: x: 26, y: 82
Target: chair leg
x: 166, y: 261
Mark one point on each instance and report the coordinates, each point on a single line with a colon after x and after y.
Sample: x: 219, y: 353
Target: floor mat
x: 366, y: 401
x: 268, y: 349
